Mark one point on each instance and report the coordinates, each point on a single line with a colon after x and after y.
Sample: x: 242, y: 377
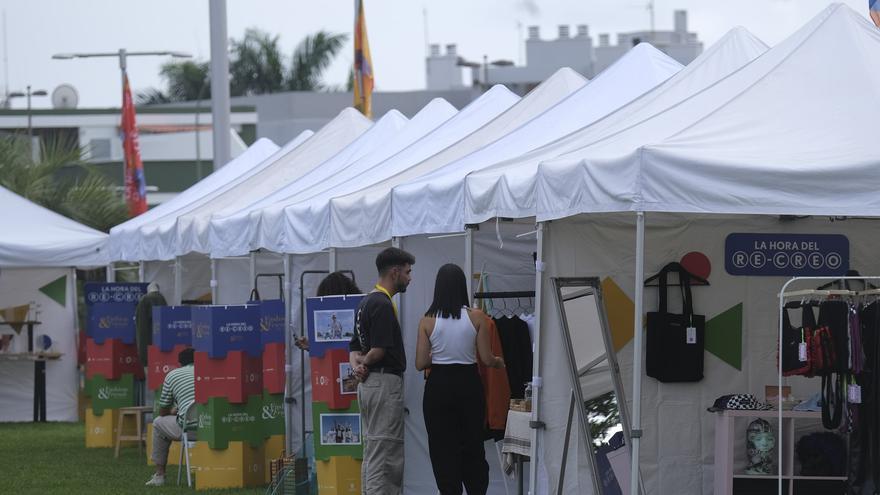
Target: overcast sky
x: 36, y: 29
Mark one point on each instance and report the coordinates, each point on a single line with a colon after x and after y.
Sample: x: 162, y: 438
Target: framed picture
x: 340, y: 429
x: 348, y: 383
x: 334, y: 325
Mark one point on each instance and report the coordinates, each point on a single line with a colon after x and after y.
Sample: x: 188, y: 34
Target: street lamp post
x: 28, y: 93
x: 122, y: 55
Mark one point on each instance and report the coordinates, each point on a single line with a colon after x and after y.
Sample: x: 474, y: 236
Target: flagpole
x: 122, y: 67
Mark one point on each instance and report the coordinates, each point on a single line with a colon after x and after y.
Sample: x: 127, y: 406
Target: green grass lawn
x: 52, y: 458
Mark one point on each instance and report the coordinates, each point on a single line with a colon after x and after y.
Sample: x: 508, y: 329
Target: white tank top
x: 454, y: 341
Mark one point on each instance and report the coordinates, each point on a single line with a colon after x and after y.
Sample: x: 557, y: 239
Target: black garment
x: 143, y: 319
x: 454, y: 408
x: 517, y: 347
x: 376, y: 325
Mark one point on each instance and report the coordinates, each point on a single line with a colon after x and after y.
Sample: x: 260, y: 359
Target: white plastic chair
x: 187, y: 442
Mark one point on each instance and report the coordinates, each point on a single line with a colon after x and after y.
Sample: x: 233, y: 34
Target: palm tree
x: 186, y: 80
x: 87, y: 196
x: 256, y: 67
x: 311, y: 58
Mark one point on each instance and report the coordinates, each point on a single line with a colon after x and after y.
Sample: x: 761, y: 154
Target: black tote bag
x: 675, y: 342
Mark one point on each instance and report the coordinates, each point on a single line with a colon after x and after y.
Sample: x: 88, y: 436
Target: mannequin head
x: 760, y: 443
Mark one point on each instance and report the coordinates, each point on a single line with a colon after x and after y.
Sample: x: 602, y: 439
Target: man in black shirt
x: 378, y: 359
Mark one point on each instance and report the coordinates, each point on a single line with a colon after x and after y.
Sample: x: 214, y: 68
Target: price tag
x: 802, y: 351
x: 691, y: 335
x: 854, y: 394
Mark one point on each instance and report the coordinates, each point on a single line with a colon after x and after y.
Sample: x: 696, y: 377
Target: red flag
x: 135, y: 181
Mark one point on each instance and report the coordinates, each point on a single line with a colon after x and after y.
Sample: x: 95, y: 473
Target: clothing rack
x: 822, y: 292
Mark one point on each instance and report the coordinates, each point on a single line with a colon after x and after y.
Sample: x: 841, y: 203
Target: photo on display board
x: 348, y: 382
x: 340, y: 429
x: 336, y: 325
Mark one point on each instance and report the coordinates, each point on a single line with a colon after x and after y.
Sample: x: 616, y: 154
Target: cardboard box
x: 160, y: 363
x: 220, y: 329
x: 332, y: 381
x: 102, y: 430
x: 339, y: 476
x: 238, y: 466
x: 172, y: 326
x: 271, y: 321
x: 337, y: 432
x: 112, y: 359
x: 233, y: 377
x: 221, y: 422
x: 110, y: 394
x: 273, y: 368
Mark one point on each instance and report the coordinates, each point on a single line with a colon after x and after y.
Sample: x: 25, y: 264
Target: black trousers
x: 455, y: 417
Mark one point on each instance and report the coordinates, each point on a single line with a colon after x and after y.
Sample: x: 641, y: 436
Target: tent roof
x: 162, y: 240
x: 507, y: 189
x: 239, y: 233
x: 34, y: 236
x: 240, y: 166
x: 306, y: 224
x: 434, y: 203
x: 784, y: 135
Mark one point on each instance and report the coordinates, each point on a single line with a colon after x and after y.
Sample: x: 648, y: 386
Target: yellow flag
x: 363, y: 64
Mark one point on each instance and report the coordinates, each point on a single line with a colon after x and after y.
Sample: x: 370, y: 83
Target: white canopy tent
x: 507, y: 189
x: 307, y: 224
x: 434, y: 202
x: 239, y: 233
x: 125, y: 234
x: 778, y: 137
x: 38, y: 253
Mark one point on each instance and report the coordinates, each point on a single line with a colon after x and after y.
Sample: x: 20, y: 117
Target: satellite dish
x: 65, y: 96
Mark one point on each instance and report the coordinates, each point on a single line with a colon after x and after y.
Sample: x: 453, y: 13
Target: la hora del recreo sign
x: 786, y: 255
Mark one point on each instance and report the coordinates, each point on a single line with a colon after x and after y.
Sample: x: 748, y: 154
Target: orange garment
x: 495, y: 384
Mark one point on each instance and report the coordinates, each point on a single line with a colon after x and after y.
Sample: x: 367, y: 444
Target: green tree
x: 187, y: 81
x: 87, y: 197
x: 256, y: 66
x: 311, y: 58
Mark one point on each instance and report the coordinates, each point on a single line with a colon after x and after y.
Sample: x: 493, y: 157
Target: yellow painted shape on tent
x: 15, y: 314
x: 101, y: 431
x: 340, y: 475
x: 237, y: 466
x: 274, y: 450
x: 173, y: 451
x: 620, y: 311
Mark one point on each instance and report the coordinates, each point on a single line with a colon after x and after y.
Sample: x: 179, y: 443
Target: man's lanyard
x: 385, y: 291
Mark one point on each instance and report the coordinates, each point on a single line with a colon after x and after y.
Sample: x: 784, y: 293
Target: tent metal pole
x: 178, y: 281
x: 332, y: 259
x: 469, y: 261
x: 534, y: 435
x: 111, y: 273
x: 252, y: 267
x: 214, y: 289
x: 636, y: 432
x: 141, y: 272
x: 288, y: 360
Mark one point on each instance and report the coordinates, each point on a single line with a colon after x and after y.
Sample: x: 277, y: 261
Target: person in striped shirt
x: 178, y: 396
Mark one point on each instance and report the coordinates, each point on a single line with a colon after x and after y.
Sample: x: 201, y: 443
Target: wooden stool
x: 138, y: 412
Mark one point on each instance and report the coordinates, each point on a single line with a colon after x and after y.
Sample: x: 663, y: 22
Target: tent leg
x: 636, y: 433
x: 142, y: 272
x: 288, y: 359
x: 332, y: 259
x: 178, y: 281
x: 214, y: 289
x: 534, y: 451
x: 469, y: 261
x: 252, y: 267
x: 111, y: 273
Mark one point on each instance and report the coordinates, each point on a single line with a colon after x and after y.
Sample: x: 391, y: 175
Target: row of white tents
x: 741, y: 135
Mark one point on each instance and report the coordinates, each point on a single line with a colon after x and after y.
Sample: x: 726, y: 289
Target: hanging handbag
x: 796, y: 341
x: 675, y: 342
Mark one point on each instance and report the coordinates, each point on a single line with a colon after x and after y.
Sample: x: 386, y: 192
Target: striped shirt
x: 179, y: 389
